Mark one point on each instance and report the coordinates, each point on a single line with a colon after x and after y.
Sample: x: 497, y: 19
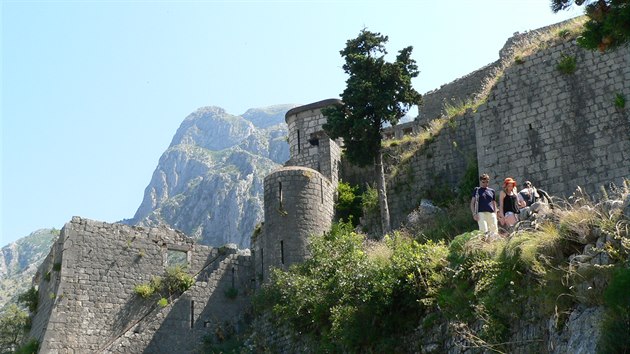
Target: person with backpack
x: 484, y: 206
x: 534, y: 197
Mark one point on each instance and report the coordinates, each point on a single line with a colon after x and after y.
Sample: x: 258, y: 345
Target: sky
x: 93, y: 91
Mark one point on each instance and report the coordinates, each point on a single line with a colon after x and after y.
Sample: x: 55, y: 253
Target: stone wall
x: 440, y: 163
x: 558, y: 130
x: 454, y: 93
x: 307, y: 142
x: 88, y: 303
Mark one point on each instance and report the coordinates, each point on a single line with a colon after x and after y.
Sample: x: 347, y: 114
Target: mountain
x: 19, y: 261
x: 209, y: 182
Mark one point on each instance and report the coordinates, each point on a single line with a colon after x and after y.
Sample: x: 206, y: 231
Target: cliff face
x: 209, y: 182
x: 19, y: 261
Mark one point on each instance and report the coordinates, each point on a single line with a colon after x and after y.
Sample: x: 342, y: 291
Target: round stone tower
x: 300, y: 197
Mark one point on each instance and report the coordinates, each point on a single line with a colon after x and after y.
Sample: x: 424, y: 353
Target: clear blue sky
x: 93, y: 91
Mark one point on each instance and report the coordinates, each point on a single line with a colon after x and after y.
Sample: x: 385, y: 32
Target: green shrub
x: 347, y: 283
x: 348, y: 205
x: 162, y: 302
x: 620, y: 101
x: 144, y: 290
x: 567, y: 64
x: 616, y: 323
x: 30, y: 299
x: 231, y: 293
x: 177, y: 280
x: 30, y: 347
x: 369, y: 200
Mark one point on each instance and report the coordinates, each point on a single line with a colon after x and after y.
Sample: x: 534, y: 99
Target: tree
x: 608, y: 24
x: 377, y: 92
x: 13, y: 325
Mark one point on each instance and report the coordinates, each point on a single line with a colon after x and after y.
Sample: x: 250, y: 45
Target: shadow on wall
x: 211, y: 311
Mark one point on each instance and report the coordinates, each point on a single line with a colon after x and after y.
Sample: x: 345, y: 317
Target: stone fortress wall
x: 87, y: 298
x: 557, y: 130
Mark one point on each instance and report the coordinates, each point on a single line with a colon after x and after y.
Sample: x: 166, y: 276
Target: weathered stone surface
x: 88, y: 303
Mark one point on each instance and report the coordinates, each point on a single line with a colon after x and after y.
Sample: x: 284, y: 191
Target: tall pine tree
x: 377, y: 92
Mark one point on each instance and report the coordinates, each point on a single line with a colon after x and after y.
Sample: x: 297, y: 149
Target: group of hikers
x: 513, y: 205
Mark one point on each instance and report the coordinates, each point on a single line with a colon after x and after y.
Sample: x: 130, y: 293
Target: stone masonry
x: 300, y: 197
x: 87, y: 298
x: 558, y: 130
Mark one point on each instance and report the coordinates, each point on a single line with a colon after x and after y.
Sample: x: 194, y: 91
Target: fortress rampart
x: 558, y: 130
x: 87, y: 298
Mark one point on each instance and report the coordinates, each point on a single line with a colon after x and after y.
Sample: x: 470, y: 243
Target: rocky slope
x: 19, y: 261
x: 209, y: 182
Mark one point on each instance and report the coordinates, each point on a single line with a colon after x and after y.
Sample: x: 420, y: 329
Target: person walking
x: 509, y: 204
x: 484, y: 206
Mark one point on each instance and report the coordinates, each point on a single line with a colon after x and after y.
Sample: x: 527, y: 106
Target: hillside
x: 19, y: 262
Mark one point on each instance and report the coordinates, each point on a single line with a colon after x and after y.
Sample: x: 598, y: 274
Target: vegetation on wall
x: 608, y: 25
x: 567, y: 64
x: 175, y: 282
x: 479, y: 289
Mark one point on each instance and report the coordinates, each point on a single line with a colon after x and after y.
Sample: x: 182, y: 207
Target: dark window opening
x: 232, y: 277
x: 192, y: 313
x: 282, y: 251
x: 176, y: 258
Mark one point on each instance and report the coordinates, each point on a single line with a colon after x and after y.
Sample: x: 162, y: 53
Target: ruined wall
x: 558, y: 130
x: 88, y: 303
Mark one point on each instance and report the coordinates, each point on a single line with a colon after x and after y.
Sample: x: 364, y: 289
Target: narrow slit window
x: 192, y: 313
x: 321, y: 189
x: 280, y: 193
x: 298, y: 140
x: 282, y: 251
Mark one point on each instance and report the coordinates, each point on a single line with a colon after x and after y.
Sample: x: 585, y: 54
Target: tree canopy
x: 608, y: 26
x: 377, y: 92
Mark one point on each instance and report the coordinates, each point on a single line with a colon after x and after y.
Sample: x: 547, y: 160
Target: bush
x: 567, y: 64
x: 145, y: 290
x: 348, y: 206
x: 616, y: 323
x: 177, y: 280
x: 348, y: 283
x: 30, y: 347
x: 30, y: 299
